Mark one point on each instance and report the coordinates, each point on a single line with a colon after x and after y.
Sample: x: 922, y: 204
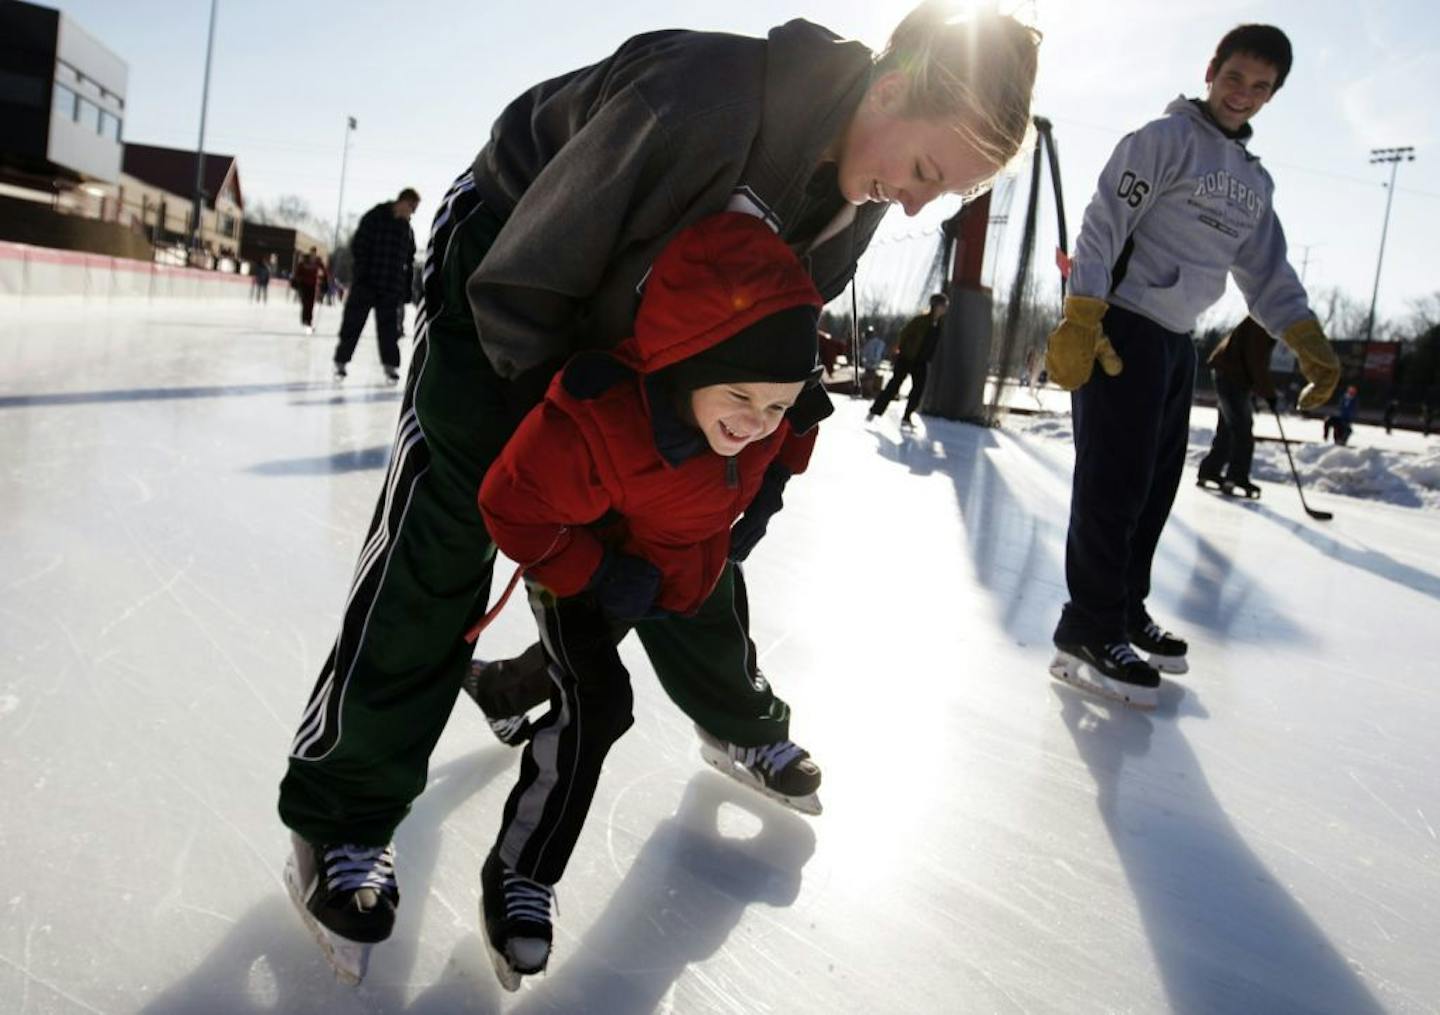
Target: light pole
x: 200, y: 147
x: 1394, y: 156
x: 340, y: 205
x: 1305, y: 261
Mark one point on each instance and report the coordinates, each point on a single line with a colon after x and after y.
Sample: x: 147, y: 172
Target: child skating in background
x: 617, y: 496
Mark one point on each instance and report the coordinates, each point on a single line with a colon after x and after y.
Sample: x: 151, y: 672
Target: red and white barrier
x: 28, y: 271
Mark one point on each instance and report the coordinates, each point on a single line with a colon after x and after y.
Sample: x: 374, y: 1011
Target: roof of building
x: 173, y: 170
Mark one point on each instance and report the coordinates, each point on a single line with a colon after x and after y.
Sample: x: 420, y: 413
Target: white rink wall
x: 32, y: 273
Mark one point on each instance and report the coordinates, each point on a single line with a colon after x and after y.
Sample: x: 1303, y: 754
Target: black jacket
x: 594, y: 172
x: 384, y: 252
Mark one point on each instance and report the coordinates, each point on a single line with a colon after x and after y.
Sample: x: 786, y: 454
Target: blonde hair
x: 978, y: 71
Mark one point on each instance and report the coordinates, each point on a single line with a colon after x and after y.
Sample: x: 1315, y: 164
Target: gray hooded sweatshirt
x: 1178, y: 205
x: 594, y: 171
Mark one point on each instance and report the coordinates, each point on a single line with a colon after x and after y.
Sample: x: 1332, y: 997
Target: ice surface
x: 182, y: 496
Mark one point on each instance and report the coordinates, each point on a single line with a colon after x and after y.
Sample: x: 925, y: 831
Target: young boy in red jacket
x: 617, y: 495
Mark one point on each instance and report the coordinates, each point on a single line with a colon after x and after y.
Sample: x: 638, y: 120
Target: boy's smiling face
x: 737, y: 413
x: 1239, y: 87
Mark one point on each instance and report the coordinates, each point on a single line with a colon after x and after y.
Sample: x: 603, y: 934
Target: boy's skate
x: 515, y: 912
x: 782, y: 771
x: 1165, y: 651
x: 1112, y: 671
x: 347, y: 897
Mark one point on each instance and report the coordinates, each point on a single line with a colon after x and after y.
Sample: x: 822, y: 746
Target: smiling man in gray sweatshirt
x: 1181, y: 202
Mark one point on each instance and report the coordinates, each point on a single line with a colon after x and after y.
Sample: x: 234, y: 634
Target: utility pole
x: 1394, y: 156
x: 1305, y: 258
x: 340, y: 205
x: 200, y: 147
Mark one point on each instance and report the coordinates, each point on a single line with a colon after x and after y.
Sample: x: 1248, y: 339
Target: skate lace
x: 1155, y: 632
x: 350, y: 868
x: 526, y: 899
x: 1121, y: 653
x: 772, y: 758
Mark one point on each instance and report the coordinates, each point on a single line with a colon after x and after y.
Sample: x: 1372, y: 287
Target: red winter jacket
x: 586, y: 468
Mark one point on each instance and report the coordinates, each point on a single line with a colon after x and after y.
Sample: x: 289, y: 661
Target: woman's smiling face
x: 887, y: 157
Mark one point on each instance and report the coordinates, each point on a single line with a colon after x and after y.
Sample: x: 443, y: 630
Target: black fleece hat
x: 780, y: 348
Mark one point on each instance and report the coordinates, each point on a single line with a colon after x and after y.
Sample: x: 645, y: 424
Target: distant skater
x: 914, y: 348
x: 384, y: 256
x: 308, y: 280
x: 260, y: 281
x: 1242, y: 366
x: 1341, y: 424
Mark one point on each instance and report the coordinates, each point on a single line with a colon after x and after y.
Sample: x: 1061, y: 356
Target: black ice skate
x: 1165, y: 651
x: 1208, y: 480
x: 782, y: 771
x: 392, y: 376
x: 340, y: 371
x: 1112, y: 671
x: 515, y: 912
x: 347, y: 896
x: 505, y: 690
x: 1240, y: 488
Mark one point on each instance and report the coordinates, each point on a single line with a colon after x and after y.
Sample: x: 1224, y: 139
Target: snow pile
x: 1395, y: 477
x: 1404, y: 478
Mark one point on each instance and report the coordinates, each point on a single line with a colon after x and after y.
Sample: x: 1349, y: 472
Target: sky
x: 426, y: 79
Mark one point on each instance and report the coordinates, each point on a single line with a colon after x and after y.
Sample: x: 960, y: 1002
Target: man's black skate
x: 1112, y: 671
x: 506, y: 689
x: 1208, y: 480
x: 1165, y: 651
x: 516, y: 914
x: 1240, y: 488
x: 347, y: 896
x: 782, y: 771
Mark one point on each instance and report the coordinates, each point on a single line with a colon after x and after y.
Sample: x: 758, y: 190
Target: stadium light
x: 1394, y: 156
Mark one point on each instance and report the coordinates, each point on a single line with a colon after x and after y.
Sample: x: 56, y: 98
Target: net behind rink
x: 898, y: 273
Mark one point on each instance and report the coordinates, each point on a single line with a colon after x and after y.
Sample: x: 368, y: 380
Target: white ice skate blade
x: 1169, y: 664
x: 722, y: 763
x: 508, y: 975
x: 1080, y: 674
x: 349, y: 959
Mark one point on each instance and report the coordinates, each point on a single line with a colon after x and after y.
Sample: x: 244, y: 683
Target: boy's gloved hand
x: 625, y: 586
x: 1317, y: 361
x: 1078, y: 341
x: 750, y: 526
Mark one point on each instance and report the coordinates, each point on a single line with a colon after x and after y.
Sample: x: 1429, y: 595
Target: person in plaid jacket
x: 384, y: 251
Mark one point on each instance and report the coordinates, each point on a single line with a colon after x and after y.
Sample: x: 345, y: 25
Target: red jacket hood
x: 711, y: 281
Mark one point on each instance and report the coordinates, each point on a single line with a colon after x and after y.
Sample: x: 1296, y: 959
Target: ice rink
x: 183, y: 495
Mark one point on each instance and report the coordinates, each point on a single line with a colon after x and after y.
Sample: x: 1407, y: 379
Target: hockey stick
x: 1320, y: 516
